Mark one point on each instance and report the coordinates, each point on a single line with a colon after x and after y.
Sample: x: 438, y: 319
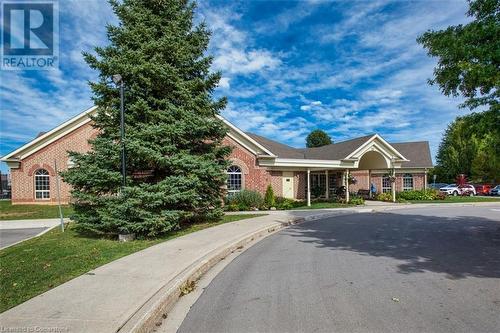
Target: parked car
x: 454, y: 189
x: 437, y: 186
x: 495, y: 190
x: 451, y: 189
x: 467, y: 190
x: 483, y: 189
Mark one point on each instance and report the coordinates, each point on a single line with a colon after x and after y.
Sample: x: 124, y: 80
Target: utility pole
x: 117, y: 79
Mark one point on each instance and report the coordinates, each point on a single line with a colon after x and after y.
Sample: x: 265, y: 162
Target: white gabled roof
x: 375, y: 140
x: 54, y: 134
x: 245, y: 140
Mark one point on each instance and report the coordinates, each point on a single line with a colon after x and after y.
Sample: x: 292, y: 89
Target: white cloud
x: 236, y: 61
x: 232, y: 48
x: 224, y: 82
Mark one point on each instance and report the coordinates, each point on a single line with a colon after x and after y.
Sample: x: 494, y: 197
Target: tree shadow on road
x: 460, y: 246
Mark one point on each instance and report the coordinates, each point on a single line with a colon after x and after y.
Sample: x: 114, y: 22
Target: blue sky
x: 349, y: 68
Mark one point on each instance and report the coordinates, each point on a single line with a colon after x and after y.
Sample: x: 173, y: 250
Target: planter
x: 126, y: 237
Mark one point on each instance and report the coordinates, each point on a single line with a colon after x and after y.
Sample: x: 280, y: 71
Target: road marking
x: 495, y: 210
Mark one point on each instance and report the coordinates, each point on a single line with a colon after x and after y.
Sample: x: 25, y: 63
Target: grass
x: 319, y: 205
x: 21, y: 212
x: 451, y: 199
x: 42, y: 263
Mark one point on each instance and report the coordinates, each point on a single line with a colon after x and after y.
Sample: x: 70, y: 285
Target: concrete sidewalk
x: 131, y: 293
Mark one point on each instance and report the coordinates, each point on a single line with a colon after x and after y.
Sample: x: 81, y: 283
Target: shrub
x: 355, y: 200
x: 231, y: 207
x: 384, y: 197
x: 285, y: 203
x: 269, y: 198
x: 317, y: 191
x: 440, y: 196
x: 429, y: 194
x: 245, y: 200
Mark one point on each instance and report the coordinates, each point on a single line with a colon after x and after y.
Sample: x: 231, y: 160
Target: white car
x: 454, y: 189
x: 451, y: 189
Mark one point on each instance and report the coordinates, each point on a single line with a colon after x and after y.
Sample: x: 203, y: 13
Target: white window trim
x: 407, y: 176
x: 386, y: 189
x: 41, y: 191
x: 229, y: 191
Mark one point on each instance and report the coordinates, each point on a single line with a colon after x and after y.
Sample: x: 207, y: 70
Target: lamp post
x: 118, y: 80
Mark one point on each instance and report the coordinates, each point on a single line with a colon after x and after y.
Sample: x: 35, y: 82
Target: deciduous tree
x: 318, y: 138
x: 468, y: 56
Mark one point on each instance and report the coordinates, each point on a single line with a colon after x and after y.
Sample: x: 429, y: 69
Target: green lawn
x: 39, y: 264
x: 319, y: 205
x: 21, y: 212
x: 451, y: 199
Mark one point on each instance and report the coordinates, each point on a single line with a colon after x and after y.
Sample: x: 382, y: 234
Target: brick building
x: 256, y: 163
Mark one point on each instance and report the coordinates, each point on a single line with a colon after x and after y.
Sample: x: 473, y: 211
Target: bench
x: 365, y: 194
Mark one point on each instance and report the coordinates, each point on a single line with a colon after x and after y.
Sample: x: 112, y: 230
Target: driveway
x: 417, y: 270
x: 17, y: 230
x: 11, y: 236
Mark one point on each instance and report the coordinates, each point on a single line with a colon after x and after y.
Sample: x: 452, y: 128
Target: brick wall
x: 23, y: 187
x: 254, y: 177
x: 361, y: 177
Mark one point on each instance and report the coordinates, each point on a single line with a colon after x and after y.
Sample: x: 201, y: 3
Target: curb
x: 154, y: 310
x: 441, y: 205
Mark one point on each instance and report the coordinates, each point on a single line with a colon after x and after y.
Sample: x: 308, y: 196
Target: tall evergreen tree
x: 175, y: 159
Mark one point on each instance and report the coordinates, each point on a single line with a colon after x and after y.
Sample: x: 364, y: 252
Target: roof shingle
x: 417, y: 152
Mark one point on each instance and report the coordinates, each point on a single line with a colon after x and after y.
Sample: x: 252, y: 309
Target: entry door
x: 288, y: 185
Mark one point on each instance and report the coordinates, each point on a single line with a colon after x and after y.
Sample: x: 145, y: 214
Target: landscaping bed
x: 42, y: 263
x: 26, y: 212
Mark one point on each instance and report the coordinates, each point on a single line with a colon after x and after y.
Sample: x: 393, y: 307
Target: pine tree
x: 269, y: 198
x: 175, y: 160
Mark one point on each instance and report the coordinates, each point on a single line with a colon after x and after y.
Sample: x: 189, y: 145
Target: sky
x: 351, y: 68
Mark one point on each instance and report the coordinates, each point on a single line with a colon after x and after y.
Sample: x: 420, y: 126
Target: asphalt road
x: 11, y: 236
x: 418, y: 270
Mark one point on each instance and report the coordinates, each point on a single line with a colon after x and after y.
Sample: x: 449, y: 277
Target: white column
x: 425, y: 180
x: 308, y: 187
x: 347, y: 186
x: 393, y: 186
x: 370, y: 182
x: 327, y: 194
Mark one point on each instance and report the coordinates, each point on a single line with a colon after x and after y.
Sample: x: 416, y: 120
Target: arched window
x: 407, y: 182
x: 233, y: 179
x: 42, y: 184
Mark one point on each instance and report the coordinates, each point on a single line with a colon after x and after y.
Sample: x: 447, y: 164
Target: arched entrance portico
x: 378, y: 159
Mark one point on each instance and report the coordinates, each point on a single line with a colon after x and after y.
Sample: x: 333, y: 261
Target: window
x: 386, y: 184
x: 318, y: 184
x: 407, y: 182
x: 333, y: 183
x: 233, y: 179
x: 42, y: 184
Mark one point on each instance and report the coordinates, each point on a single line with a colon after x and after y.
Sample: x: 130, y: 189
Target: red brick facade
x: 23, y: 183
x: 254, y: 177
